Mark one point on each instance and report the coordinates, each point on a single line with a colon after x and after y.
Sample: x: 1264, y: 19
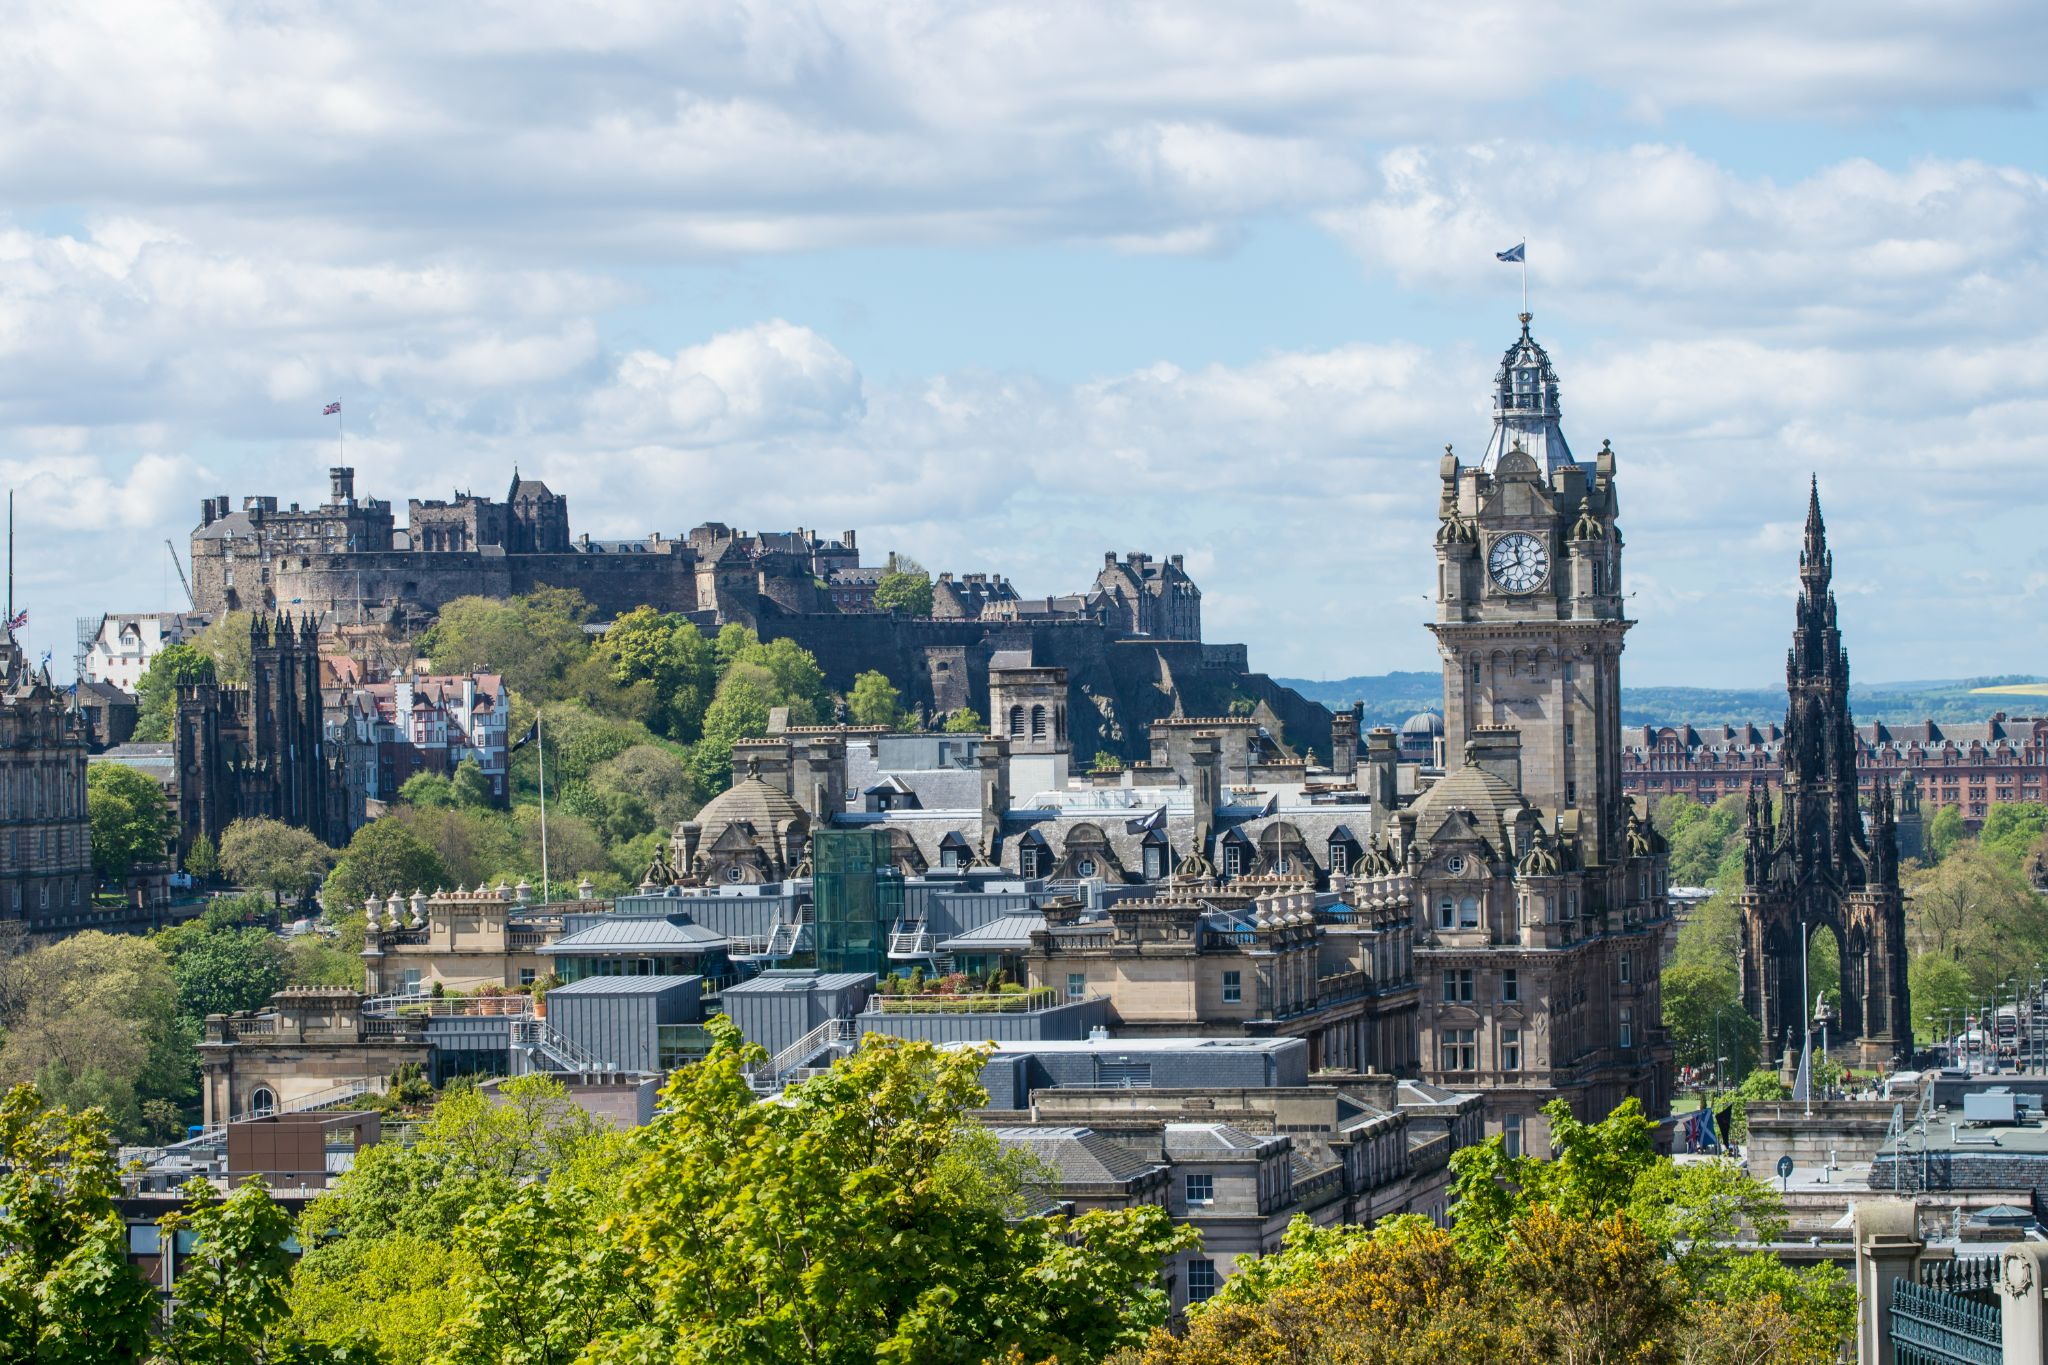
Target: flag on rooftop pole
x: 18, y: 620
x: 331, y: 410
x: 1518, y: 254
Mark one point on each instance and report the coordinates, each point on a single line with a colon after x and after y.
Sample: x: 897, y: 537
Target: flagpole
x: 1525, y: 277
x: 1805, y: 1025
x: 540, y: 738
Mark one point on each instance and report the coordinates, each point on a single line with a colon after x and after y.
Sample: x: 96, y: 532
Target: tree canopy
x: 279, y: 858
x: 875, y: 701
x: 129, y: 816
x: 908, y: 592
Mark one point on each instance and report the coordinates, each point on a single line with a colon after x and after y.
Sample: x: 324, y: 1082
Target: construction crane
x: 183, y: 581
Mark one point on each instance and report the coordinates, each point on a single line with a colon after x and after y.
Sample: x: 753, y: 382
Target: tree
x: 667, y: 652
x: 230, y: 1300
x: 1944, y: 831
x: 1938, y: 987
x: 383, y: 857
x: 220, y: 969
x: 394, y: 1242
x: 2011, y: 830
x: 67, y: 1293
x: 156, y: 692
x: 474, y: 843
x: 655, y: 777
x: 966, y: 721
x: 282, y: 859
x: 469, y: 786
x: 740, y: 711
x: 226, y: 642
x: 1703, y: 1010
x: 906, y: 593
x: 430, y: 791
x: 874, y: 701
x: 1976, y: 909
x: 863, y: 1219
x: 130, y: 819
x: 94, y: 1019
x: 534, y: 642
x: 202, y: 860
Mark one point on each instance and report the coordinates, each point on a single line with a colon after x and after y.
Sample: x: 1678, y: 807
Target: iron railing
x: 1935, y: 1327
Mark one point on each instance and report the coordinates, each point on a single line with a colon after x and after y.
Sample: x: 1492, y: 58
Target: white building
x: 126, y: 642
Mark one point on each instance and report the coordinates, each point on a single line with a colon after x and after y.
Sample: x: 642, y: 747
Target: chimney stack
x: 1496, y: 749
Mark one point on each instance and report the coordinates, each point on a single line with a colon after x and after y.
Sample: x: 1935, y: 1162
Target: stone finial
x: 370, y: 909
x: 585, y: 891
x: 523, y: 892
x: 504, y: 891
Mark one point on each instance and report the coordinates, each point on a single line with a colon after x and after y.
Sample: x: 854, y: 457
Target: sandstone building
x: 1812, y: 866
x: 1131, y: 641
x: 46, y: 877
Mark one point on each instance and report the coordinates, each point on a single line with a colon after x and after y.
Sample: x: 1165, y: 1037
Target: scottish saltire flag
x: 1512, y: 254
x: 333, y: 408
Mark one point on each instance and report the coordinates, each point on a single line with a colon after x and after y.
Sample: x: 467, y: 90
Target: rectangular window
x: 1628, y: 1028
x: 1459, y: 1050
x: 1571, y: 793
x: 1568, y: 733
x: 526, y: 976
x: 1468, y: 913
x: 1510, y: 1049
x: 1233, y: 987
x: 1511, y: 1135
x: 1201, y: 1190
x: 1458, y: 986
x: 412, y: 981
x: 1077, y: 985
x: 1628, y: 962
x: 1446, y: 912
x: 1201, y: 1279
x: 1510, y: 985
x: 1340, y: 858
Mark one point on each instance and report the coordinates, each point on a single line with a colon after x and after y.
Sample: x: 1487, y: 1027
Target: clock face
x: 1518, y: 562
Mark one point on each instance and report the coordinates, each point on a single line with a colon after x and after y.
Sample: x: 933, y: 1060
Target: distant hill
x: 1391, y: 698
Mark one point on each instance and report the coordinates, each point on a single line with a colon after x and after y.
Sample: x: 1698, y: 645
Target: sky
x: 1006, y: 285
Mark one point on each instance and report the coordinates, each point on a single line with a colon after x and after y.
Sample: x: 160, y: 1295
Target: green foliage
x: 383, y: 857
x: 395, y: 1253
x: 1980, y: 911
x: 202, y: 860
x: 1940, y: 990
x: 654, y: 777
x: 1703, y: 1010
x: 671, y: 656
x: 906, y: 593
x: 1705, y: 840
x: 426, y: 789
x: 534, y: 642
x: 965, y: 721
x: 1823, y: 971
x: 2010, y: 832
x: 67, y: 1293
x: 875, y: 701
x: 312, y: 960
x: 230, y: 1303
x: 1945, y: 830
x: 130, y: 819
x: 156, y: 692
x: 1106, y: 762
x: 473, y: 842
x: 863, y: 1220
x: 740, y: 711
x: 94, y: 1019
x: 282, y: 859
x: 469, y: 786
x: 1762, y: 1086
x: 220, y: 969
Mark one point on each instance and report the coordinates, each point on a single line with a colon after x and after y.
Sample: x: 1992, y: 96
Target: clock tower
x: 1529, y: 614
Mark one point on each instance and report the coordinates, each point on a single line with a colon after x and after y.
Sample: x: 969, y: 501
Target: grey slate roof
x: 627, y: 934
x: 1212, y: 1139
x: 623, y: 985
x: 799, y: 983
x: 1080, y: 1155
x: 1007, y: 932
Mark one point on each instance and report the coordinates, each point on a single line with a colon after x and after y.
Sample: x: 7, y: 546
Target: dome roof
x: 1423, y: 723
x: 1493, y: 802
x: 750, y: 801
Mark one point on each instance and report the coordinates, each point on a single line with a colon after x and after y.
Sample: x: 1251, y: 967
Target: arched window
x: 262, y: 1100
x: 1016, y: 720
x: 1468, y: 913
x: 1038, y: 722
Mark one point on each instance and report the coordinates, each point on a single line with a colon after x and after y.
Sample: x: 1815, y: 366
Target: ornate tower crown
x: 1525, y: 409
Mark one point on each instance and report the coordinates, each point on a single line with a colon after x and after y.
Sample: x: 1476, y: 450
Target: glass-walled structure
x: 856, y: 898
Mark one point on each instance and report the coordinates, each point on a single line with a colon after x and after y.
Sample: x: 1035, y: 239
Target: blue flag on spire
x: 1512, y: 254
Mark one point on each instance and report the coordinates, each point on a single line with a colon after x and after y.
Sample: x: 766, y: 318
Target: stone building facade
x: 1131, y: 642
x: 1539, y: 895
x: 260, y: 749
x: 45, y: 838
x: 1971, y: 765
x: 1812, y: 865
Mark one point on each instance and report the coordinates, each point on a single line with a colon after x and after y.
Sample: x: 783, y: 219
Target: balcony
x: 980, y: 1002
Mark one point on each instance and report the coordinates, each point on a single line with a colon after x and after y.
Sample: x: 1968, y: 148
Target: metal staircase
x: 550, y: 1051
x: 782, y: 939
x: 910, y: 940
x: 835, y: 1036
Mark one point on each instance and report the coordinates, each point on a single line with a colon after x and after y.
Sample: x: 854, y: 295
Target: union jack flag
x: 330, y: 410
x: 18, y: 620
